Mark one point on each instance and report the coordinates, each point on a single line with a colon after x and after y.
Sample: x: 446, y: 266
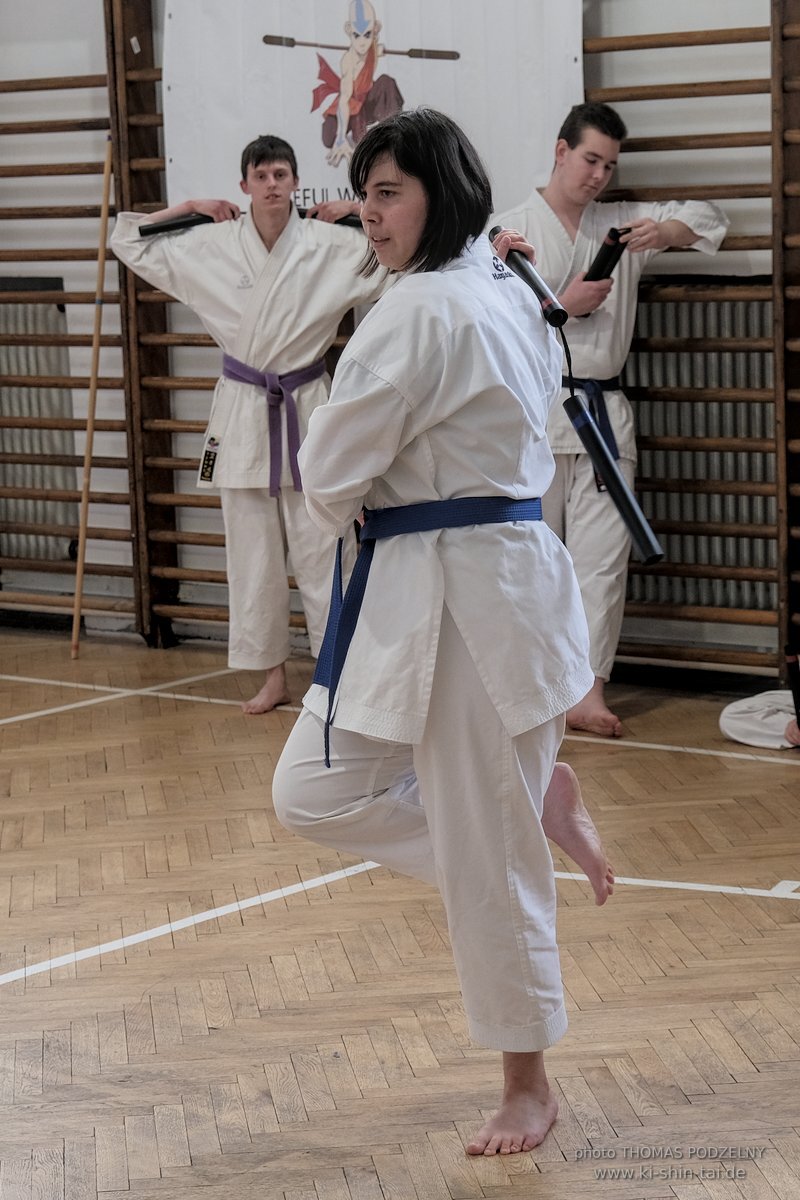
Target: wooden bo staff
x: 94, y: 375
x: 414, y: 52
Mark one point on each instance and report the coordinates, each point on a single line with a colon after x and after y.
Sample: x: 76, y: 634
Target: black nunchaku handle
x: 607, y: 256
x: 645, y: 543
x: 350, y: 220
x: 173, y: 224
x: 552, y: 310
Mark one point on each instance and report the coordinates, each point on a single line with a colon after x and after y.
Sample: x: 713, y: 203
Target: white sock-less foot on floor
x: 527, y: 1110
x: 273, y: 693
x: 592, y: 714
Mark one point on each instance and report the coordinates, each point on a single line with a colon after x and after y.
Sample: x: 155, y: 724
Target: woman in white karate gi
x: 471, y: 641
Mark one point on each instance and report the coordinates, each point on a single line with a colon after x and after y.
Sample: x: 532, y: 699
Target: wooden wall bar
x: 172, y: 523
x: 649, y: 630
x: 111, y: 585
x: 133, y: 103
x: 786, y: 237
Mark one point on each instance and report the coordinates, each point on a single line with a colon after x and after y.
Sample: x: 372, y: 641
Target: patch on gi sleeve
x: 209, y: 460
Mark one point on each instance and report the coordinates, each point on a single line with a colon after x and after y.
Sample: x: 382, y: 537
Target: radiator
x: 702, y: 418
x: 20, y: 359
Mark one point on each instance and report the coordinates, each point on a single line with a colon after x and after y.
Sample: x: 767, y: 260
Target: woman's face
x: 393, y: 213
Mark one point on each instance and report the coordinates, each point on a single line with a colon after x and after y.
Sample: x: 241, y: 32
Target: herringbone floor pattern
x: 219, y: 1009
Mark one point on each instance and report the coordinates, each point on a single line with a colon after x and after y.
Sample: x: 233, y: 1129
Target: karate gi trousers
x: 589, y: 525
x: 461, y: 810
x: 258, y: 530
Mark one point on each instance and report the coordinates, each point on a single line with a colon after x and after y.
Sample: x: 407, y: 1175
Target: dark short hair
x: 430, y: 147
x: 592, y: 115
x: 267, y: 148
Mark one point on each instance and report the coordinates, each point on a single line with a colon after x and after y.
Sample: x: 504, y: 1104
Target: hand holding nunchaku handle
x: 608, y: 255
x: 646, y: 546
x: 173, y: 224
x: 552, y: 310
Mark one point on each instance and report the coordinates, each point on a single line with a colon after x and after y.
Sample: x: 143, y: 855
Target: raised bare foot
x: 527, y: 1111
x: 592, y: 714
x: 273, y: 693
x: 567, y: 823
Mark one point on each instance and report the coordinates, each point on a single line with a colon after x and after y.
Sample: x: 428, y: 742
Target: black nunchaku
x: 173, y: 224
x: 607, y: 256
x: 646, y: 546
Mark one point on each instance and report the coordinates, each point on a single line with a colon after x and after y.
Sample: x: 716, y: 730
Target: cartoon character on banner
x: 360, y: 100
x: 357, y: 98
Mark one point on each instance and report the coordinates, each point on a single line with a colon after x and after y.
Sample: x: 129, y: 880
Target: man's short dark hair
x: 430, y: 147
x: 592, y: 115
x: 267, y: 149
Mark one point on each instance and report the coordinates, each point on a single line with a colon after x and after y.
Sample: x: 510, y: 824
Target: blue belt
x: 593, y: 389
x: 389, y: 522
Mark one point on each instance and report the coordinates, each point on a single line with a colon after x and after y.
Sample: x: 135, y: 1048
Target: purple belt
x: 279, y: 390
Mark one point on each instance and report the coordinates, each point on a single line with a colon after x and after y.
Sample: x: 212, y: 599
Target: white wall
x: 43, y: 38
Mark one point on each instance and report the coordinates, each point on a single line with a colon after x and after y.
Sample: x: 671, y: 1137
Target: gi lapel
x: 255, y: 313
x: 563, y: 257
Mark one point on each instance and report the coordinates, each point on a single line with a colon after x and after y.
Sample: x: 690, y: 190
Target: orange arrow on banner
x: 414, y: 52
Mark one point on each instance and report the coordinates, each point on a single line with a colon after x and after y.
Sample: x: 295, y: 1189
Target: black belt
x: 594, y: 389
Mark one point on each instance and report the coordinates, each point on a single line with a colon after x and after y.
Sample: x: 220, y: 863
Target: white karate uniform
x: 471, y: 642
x: 586, y: 519
x: 759, y: 720
x: 277, y: 311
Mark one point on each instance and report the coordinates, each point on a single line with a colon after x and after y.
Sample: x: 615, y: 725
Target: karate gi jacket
x: 759, y: 720
x: 275, y: 310
x: 600, y: 342
x: 442, y: 392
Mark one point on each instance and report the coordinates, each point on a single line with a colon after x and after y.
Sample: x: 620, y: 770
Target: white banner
x: 319, y: 72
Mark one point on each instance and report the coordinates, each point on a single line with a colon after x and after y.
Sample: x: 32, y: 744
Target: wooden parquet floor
x: 196, y: 1004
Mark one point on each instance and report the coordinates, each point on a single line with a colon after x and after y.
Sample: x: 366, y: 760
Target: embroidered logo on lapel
x: 500, y: 271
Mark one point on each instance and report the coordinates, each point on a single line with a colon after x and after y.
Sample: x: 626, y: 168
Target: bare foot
x: 592, y: 714
x: 567, y: 823
x: 527, y: 1111
x: 273, y: 693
